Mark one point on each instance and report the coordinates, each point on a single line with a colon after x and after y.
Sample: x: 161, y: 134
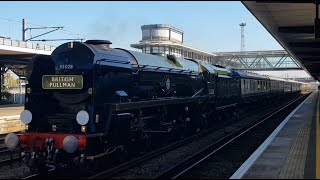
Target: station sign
x: 62, y: 82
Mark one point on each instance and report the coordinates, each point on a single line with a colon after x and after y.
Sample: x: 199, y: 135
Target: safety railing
x: 22, y: 44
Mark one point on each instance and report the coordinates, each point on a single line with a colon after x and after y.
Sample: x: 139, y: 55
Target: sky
x: 211, y: 26
x: 208, y: 25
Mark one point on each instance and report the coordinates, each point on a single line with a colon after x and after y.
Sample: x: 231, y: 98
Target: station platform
x: 292, y: 151
x: 10, y: 118
x: 11, y: 109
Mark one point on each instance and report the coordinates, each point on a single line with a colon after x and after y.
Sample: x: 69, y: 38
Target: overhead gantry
x: 296, y: 26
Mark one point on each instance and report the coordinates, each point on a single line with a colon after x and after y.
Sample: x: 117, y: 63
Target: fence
x: 22, y: 44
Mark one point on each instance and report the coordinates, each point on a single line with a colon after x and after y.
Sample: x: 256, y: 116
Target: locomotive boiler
x: 88, y: 100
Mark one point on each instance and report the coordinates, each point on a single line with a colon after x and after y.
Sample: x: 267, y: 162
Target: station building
x: 161, y: 39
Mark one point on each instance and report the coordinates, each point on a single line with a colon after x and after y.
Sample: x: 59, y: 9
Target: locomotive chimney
x: 103, y: 44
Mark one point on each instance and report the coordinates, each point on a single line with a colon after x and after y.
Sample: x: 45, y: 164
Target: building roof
x: 160, y: 25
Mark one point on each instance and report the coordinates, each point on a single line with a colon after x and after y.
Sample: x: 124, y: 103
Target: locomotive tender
x: 87, y: 100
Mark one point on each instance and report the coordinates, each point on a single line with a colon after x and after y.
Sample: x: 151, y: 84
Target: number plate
x: 62, y: 82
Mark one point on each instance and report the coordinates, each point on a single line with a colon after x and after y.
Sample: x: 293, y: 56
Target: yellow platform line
x: 318, y: 143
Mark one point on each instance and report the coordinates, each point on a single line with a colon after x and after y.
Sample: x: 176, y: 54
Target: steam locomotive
x: 87, y: 100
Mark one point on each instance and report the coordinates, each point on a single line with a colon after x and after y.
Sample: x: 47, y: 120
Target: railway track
x: 4, y: 151
x: 139, y: 159
x: 2, y: 139
x: 9, y: 160
x: 190, y: 164
x: 135, y: 162
x: 6, y: 154
x: 39, y: 176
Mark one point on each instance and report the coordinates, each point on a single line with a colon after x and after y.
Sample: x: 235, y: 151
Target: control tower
x: 161, y: 39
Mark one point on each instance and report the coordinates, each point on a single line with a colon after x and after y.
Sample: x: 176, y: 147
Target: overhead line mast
x: 242, y: 25
x: 24, y: 35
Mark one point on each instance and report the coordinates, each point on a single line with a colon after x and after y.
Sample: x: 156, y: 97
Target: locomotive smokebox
x: 103, y: 44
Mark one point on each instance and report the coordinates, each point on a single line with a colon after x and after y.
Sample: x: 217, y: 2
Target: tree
x: 10, y: 81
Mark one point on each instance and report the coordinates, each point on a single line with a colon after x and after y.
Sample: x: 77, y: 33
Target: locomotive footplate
x: 154, y: 103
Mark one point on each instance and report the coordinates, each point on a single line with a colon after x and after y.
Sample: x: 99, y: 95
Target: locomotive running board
x: 153, y: 103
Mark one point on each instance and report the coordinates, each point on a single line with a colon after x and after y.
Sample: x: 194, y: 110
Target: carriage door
x: 207, y: 81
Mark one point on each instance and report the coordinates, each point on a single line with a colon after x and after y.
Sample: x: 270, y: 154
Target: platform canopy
x: 294, y: 25
x: 16, y: 55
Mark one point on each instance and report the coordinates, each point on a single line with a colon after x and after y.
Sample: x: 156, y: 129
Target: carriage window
x: 266, y: 84
x: 247, y: 85
x: 147, y: 49
x: 161, y: 49
x: 166, y: 50
x: 155, y: 49
x: 252, y: 85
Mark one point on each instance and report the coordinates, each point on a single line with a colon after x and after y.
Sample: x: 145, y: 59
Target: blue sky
x: 210, y: 26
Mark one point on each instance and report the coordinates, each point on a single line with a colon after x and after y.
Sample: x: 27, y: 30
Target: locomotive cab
x: 209, y: 76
